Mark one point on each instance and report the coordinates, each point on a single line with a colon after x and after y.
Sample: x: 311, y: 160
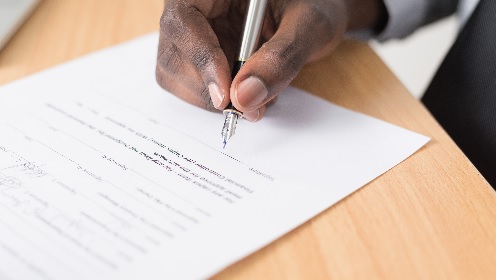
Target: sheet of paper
x: 103, y: 175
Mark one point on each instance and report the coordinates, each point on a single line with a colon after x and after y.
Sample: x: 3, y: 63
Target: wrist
x: 368, y: 15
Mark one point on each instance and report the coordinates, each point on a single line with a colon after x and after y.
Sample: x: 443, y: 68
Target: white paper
x: 103, y: 175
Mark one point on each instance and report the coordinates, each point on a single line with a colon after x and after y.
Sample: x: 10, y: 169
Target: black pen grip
x: 236, y: 67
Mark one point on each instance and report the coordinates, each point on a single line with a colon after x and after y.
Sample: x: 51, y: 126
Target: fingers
x: 256, y: 115
x: 191, y: 63
x: 175, y: 76
x: 196, y: 36
x: 307, y: 30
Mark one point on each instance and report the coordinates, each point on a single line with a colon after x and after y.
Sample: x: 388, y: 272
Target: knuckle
x: 169, y: 58
x: 172, y: 23
x: 286, y: 57
x: 202, y: 56
x: 167, y: 18
x: 164, y: 19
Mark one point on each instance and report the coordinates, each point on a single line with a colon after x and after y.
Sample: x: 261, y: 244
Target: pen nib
x: 229, y: 124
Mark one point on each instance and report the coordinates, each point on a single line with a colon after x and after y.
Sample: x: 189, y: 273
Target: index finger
x: 200, y: 64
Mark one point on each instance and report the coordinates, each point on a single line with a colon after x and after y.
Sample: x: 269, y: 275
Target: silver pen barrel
x: 249, y: 41
x: 252, y: 28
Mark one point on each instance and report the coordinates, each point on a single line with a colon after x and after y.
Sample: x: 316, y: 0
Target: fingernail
x: 252, y: 116
x: 251, y: 92
x: 215, y: 94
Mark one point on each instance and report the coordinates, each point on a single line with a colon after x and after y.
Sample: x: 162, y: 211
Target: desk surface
x: 432, y: 216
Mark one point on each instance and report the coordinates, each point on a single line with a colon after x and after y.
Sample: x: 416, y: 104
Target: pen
x: 249, y: 41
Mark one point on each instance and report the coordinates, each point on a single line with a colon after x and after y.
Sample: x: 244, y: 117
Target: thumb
x: 305, y: 32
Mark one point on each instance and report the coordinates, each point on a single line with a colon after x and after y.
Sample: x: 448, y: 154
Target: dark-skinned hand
x: 199, y: 41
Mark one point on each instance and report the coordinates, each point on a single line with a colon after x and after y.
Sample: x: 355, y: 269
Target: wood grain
x: 431, y: 217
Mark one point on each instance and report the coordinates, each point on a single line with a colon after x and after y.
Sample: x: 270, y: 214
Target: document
x: 104, y: 175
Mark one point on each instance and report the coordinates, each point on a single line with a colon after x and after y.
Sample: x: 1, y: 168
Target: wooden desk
x: 433, y: 216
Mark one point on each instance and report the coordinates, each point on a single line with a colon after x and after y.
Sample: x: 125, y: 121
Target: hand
x: 199, y: 40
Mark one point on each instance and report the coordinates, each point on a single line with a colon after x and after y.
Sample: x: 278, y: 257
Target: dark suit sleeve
x: 405, y: 16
